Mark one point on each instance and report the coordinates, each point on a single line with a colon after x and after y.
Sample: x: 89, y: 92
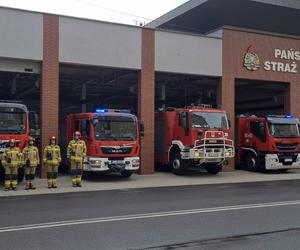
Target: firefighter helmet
x: 12, y: 141
x: 77, y: 133
x: 31, y: 139
x: 53, y: 138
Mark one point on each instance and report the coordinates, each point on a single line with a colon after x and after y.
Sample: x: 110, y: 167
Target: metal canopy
x: 206, y: 16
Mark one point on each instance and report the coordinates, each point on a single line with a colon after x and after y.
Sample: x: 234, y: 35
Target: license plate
x: 213, y: 155
x: 116, y: 162
x: 288, y: 160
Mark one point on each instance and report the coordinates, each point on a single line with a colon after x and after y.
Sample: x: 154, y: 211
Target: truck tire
x: 126, y: 174
x: 213, y: 169
x: 251, y: 163
x: 177, y: 165
x: 21, y: 174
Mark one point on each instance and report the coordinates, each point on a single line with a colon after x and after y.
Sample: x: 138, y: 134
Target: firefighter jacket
x: 31, y: 156
x: 52, y: 155
x: 76, y: 150
x: 12, y: 157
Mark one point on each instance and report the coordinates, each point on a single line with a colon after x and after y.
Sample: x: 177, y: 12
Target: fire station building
x: 243, y: 56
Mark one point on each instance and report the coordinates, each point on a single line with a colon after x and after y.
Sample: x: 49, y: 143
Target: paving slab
x: 159, y: 179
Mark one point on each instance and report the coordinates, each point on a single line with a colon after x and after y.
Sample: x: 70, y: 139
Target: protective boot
x: 49, y: 183
x: 14, y: 185
x: 32, y: 186
x: 7, y: 185
x: 74, y: 181
x: 78, y: 181
x: 54, y: 183
x: 27, y: 186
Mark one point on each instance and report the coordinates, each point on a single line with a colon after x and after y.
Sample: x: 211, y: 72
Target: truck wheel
x: 177, y: 165
x: 213, y: 169
x: 20, y: 174
x: 126, y: 174
x: 251, y: 162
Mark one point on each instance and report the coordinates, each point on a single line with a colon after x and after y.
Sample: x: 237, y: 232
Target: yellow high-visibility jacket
x: 12, y: 157
x: 31, y: 153
x: 76, y: 150
x: 52, y: 155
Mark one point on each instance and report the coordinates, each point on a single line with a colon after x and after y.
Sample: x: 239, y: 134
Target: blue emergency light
x: 289, y: 116
x: 101, y: 110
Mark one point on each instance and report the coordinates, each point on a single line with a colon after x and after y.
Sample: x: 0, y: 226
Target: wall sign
x: 291, y: 58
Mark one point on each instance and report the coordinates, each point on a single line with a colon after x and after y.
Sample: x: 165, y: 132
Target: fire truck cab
x: 195, y: 136
x: 16, y: 122
x: 268, y: 143
x: 112, y: 138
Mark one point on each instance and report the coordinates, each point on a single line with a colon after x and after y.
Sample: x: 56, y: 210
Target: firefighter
x: 11, y: 161
x: 76, y: 154
x: 52, y: 158
x: 31, y: 160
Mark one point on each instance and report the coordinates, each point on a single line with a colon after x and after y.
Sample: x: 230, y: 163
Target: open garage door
x: 176, y: 90
x: 260, y: 98
x: 20, y: 80
x: 87, y: 88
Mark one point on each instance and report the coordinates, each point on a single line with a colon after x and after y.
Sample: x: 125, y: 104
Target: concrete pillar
x: 146, y: 99
x: 49, y: 91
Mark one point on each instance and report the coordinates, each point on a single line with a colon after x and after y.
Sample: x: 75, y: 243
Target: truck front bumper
x: 94, y: 164
x: 208, y: 155
x: 274, y: 161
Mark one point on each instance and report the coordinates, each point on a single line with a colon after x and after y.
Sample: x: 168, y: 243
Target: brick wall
x: 146, y: 99
x: 235, y: 45
x: 49, y: 92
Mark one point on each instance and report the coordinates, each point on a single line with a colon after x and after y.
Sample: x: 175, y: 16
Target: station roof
x: 206, y: 16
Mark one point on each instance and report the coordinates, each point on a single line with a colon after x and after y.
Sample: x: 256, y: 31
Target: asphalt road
x: 232, y: 216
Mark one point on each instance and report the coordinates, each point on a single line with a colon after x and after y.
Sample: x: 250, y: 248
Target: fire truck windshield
x: 209, y: 120
x: 111, y: 128
x: 284, y: 130
x: 12, y: 120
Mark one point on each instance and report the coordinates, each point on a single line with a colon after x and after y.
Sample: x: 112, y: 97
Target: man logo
x: 251, y: 59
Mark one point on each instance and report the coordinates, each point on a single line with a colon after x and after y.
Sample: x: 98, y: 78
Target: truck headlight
x: 135, y: 162
x: 196, y: 154
x: 227, y: 154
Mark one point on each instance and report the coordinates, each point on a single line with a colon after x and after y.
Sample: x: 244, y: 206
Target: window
x: 258, y: 129
x: 85, y: 128
x: 182, y: 119
x: 209, y: 120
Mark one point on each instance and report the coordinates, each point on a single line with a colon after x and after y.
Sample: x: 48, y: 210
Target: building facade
x: 242, y: 66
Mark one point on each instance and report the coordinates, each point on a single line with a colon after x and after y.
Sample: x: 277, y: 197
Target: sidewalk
x: 159, y: 179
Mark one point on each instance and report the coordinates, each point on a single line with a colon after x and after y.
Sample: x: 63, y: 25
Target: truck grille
x: 287, y: 146
x: 116, y: 150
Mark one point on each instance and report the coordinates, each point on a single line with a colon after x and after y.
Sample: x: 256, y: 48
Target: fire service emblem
x: 251, y: 59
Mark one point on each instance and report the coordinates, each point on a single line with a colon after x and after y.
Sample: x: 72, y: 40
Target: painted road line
x: 146, y: 216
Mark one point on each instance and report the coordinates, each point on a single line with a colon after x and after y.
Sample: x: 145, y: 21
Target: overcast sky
x: 121, y: 11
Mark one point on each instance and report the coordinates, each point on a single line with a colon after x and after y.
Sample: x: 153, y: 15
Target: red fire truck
x: 196, y: 136
x: 112, y: 138
x: 16, y: 122
x: 268, y: 143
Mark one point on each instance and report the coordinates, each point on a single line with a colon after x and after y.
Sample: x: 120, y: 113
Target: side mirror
x: 95, y: 121
x: 142, y: 128
x: 228, y: 119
